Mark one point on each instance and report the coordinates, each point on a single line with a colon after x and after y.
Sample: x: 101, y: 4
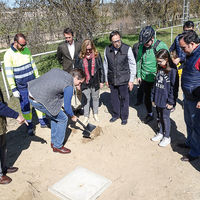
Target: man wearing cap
x: 147, y: 65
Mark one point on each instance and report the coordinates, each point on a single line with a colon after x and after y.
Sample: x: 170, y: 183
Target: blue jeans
x: 192, y: 117
x: 58, y: 124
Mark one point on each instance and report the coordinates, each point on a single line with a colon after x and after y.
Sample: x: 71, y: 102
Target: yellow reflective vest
x: 19, y: 67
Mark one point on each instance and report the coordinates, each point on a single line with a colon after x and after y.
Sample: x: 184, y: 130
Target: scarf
x: 85, y: 64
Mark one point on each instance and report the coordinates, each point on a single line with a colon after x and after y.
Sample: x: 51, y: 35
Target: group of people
x: 84, y: 74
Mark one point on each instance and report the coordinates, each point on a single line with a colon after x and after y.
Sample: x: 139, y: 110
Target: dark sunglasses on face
x: 22, y: 45
x: 117, y: 41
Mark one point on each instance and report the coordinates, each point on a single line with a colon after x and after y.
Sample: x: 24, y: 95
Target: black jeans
x: 120, y: 101
x: 140, y: 94
x: 164, y: 117
x: 147, y: 88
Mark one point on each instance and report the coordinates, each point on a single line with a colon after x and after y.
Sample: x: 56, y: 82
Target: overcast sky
x: 8, y: 2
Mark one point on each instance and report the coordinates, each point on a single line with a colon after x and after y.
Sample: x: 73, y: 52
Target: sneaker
x: 86, y: 119
x: 96, y: 117
x: 157, y: 137
x: 148, y: 118
x: 164, y: 142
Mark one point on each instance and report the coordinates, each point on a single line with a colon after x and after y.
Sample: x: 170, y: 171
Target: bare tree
x: 45, y: 20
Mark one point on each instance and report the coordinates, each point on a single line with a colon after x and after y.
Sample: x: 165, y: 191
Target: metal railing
x: 172, y: 29
x: 3, y: 73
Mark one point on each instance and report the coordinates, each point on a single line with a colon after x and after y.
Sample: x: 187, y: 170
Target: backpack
x: 155, y: 46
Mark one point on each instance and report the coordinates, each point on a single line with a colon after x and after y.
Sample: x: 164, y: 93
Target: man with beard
x: 190, y: 83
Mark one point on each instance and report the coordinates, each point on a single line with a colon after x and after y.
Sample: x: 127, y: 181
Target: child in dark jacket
x: 164, y: 94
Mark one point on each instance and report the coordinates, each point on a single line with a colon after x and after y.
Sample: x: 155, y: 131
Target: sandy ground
x: 138, y: 168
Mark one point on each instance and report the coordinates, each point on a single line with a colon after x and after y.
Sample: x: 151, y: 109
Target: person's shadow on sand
x: 176, y: 136
x: 17, y: 141
x: 105, y: 100
x: 141, y: 110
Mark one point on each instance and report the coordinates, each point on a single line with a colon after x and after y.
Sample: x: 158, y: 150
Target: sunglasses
x: 117, y: 41
x: 22, y: 45
x: 90, y: 50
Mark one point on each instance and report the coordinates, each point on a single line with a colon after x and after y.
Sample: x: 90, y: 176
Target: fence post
x: 171, y: 34
x: 4, y: 81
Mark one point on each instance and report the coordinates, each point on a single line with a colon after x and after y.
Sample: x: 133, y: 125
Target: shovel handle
x: 83, y: 125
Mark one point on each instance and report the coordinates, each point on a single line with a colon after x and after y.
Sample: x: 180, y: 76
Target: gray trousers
x: 86, y: 97
x: 3, y: 154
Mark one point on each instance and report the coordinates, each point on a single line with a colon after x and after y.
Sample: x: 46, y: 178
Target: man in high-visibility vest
x: 20, y: 69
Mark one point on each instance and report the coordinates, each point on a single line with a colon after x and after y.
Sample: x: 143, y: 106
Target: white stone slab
x: 80, y: 184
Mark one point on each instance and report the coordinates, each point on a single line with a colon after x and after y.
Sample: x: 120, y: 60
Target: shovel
x: 87, y: 129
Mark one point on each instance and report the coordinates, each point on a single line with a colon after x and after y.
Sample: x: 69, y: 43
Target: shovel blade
x: 90, y: 127
x: 86, y: 134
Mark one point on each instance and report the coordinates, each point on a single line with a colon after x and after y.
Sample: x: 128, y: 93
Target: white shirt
x: 71, y: 48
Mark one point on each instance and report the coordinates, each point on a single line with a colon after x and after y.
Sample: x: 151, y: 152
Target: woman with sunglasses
x: 90, y: 61
x: 164, y: 94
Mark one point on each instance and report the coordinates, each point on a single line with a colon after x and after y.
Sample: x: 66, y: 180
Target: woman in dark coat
x: 90, y: 61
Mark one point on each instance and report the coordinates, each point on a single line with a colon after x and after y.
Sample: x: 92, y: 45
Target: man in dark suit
x: 68, y: 50
x: 66, y: 54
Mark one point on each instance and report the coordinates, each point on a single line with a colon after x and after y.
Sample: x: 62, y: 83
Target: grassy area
x: 165, y: 35
x: 46, y: 62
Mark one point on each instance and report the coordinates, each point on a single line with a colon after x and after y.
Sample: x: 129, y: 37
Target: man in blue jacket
x: 190, y: 82
x: 5, y: 111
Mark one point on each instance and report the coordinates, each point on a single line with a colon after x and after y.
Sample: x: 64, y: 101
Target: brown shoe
x: 62, y: 150
x: 5, y: 179
x: 52, y: 145
x: 188, y: 158
x: 11, y: 170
